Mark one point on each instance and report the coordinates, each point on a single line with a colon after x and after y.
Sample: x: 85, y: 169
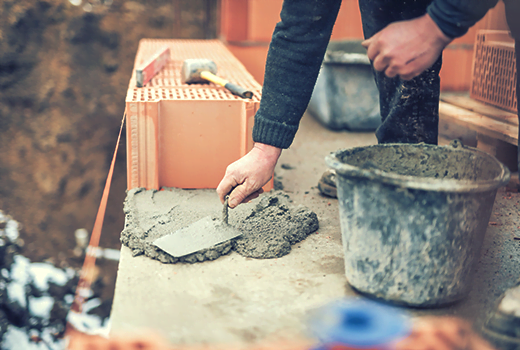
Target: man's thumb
x: 237, y: 196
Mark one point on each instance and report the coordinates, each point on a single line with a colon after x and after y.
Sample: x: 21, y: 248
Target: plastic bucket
x: 413, y: 218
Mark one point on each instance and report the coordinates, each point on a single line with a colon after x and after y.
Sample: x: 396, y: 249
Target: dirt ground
x: 64, y: 72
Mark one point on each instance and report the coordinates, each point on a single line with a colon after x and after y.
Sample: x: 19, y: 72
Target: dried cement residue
x: 270, y: 225
x: 452, y: 162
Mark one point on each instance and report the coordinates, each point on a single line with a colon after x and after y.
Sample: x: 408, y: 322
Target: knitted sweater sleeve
x: 455, y: 17
x: 295, y: 55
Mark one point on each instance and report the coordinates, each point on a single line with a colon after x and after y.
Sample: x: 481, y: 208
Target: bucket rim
x: 420, y: 183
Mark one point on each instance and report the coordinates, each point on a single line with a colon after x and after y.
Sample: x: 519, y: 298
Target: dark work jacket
x: 296, y: 52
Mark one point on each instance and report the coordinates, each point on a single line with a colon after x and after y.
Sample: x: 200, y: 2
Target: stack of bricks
x: 246, y: 26
x: 181, y: 135
x: 494, y: 70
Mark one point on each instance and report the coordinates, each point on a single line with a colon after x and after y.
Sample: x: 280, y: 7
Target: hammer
x: 201, y: 70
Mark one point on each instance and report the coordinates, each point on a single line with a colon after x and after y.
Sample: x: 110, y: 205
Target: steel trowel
x: 202, y: 234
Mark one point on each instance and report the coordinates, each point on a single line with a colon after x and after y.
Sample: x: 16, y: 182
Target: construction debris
x: 35, y: 297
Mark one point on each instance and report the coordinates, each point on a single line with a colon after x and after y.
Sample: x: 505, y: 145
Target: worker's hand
x: 406, y: 48
x: 246, y: 177
x: 442, y: 333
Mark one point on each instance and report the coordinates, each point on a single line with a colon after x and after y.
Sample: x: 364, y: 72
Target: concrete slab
x: 229, y: 300
x: 240, y: 300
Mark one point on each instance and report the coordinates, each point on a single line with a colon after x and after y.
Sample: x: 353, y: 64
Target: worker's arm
x: 455, y: 17
x: 407, y: 48
x: 295, y: 55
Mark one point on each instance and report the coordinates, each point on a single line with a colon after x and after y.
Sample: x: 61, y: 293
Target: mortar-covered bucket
x: 345, y: 96
x: 413, y: 218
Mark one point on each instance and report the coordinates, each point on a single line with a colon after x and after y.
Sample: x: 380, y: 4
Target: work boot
x: 327, y: 184
x: 503, y: 327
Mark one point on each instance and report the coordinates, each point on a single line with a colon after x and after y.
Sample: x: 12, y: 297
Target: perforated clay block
x: 181, y: 135
x: 494, y: 70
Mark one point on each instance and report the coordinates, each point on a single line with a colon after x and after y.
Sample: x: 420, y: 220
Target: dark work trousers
x: 409, y: 109
x: 513, y: 20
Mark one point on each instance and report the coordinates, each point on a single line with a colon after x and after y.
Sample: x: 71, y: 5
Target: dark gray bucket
x: 345, y: 96
x: 413, y: 218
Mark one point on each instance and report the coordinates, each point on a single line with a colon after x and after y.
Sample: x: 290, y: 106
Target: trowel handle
x: 225, y: 215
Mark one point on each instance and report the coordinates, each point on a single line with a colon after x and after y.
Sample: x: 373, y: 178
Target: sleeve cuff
x: 273, y: 133
x: 454, y: 18
x: 450, y: 29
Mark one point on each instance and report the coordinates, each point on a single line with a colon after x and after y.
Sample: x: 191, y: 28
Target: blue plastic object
x: 359, y: 323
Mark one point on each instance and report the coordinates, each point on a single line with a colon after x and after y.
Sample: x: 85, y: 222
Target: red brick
x: 494, y: 70
x: 181, y: 135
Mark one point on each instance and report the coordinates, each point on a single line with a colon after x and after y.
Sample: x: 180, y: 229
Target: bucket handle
x: 456, y: 143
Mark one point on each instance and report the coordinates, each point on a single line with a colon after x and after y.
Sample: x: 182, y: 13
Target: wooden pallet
x: 480, y: 125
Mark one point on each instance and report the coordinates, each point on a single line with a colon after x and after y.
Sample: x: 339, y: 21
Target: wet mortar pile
x: 269, y: 225
x: 424, y: 161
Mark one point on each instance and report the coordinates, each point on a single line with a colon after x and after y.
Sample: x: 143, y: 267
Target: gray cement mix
x: 273, y: 226
x: 270, y: 225
x: 451, y: 162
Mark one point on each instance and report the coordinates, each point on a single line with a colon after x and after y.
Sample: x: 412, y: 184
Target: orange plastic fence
x: 86, y: 277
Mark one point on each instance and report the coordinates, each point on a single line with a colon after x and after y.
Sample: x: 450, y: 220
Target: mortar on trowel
x: 204, y: 233
x: 413, y: 225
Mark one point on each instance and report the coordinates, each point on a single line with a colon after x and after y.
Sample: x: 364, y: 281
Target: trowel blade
x: 202, y: 234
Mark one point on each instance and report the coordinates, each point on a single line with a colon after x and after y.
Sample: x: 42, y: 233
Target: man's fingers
x: 372, y: 49
x: 238, y: 195
x: 381, y: 62
x: 409, y: 71
x: 244, y: 193
x: 394, y: 67
x: 253, y: 195
x: 225, y: 186
x: 391, y: 72
x: 409, y: 75
x: 366, y: 43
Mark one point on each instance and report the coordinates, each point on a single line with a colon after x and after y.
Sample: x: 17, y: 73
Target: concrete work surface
x: 240, y: 300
